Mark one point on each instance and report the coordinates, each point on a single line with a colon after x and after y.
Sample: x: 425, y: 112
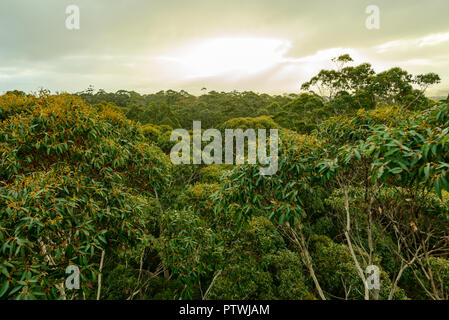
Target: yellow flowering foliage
x: 75, y: 180
x: 261, y: 122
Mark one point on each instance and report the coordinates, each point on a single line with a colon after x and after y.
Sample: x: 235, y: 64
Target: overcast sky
x: 262, y: 45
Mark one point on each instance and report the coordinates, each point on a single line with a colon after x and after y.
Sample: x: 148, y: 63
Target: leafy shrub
x: 74, y: 182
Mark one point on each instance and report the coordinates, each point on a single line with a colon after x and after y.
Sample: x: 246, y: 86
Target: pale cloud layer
x: 261, y: 45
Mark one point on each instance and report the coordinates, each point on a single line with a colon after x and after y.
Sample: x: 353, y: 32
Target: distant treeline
x: 343, y: 90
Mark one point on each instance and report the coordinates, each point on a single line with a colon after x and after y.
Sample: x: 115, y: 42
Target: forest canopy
x: 86, y: 180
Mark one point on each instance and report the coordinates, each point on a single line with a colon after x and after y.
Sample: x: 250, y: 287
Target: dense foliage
x: 86, y: 180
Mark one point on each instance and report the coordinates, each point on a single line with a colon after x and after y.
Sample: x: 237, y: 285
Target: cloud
x: 426, y: 41
x: 260, y: 45
x: 230, y: 56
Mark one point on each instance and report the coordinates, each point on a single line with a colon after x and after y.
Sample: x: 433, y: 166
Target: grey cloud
x: 43, y: 52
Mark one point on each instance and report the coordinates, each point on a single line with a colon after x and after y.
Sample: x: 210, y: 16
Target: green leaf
x: 380, y: 172
x: 5, y: 271
x: 438, y: 188
x: 425, y: 150
x: 444, y: 183
x: 434, y: 149
x: 396, y: 170
x: 4, y: 288
x: 445, y: 139
x: 427, y: 171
